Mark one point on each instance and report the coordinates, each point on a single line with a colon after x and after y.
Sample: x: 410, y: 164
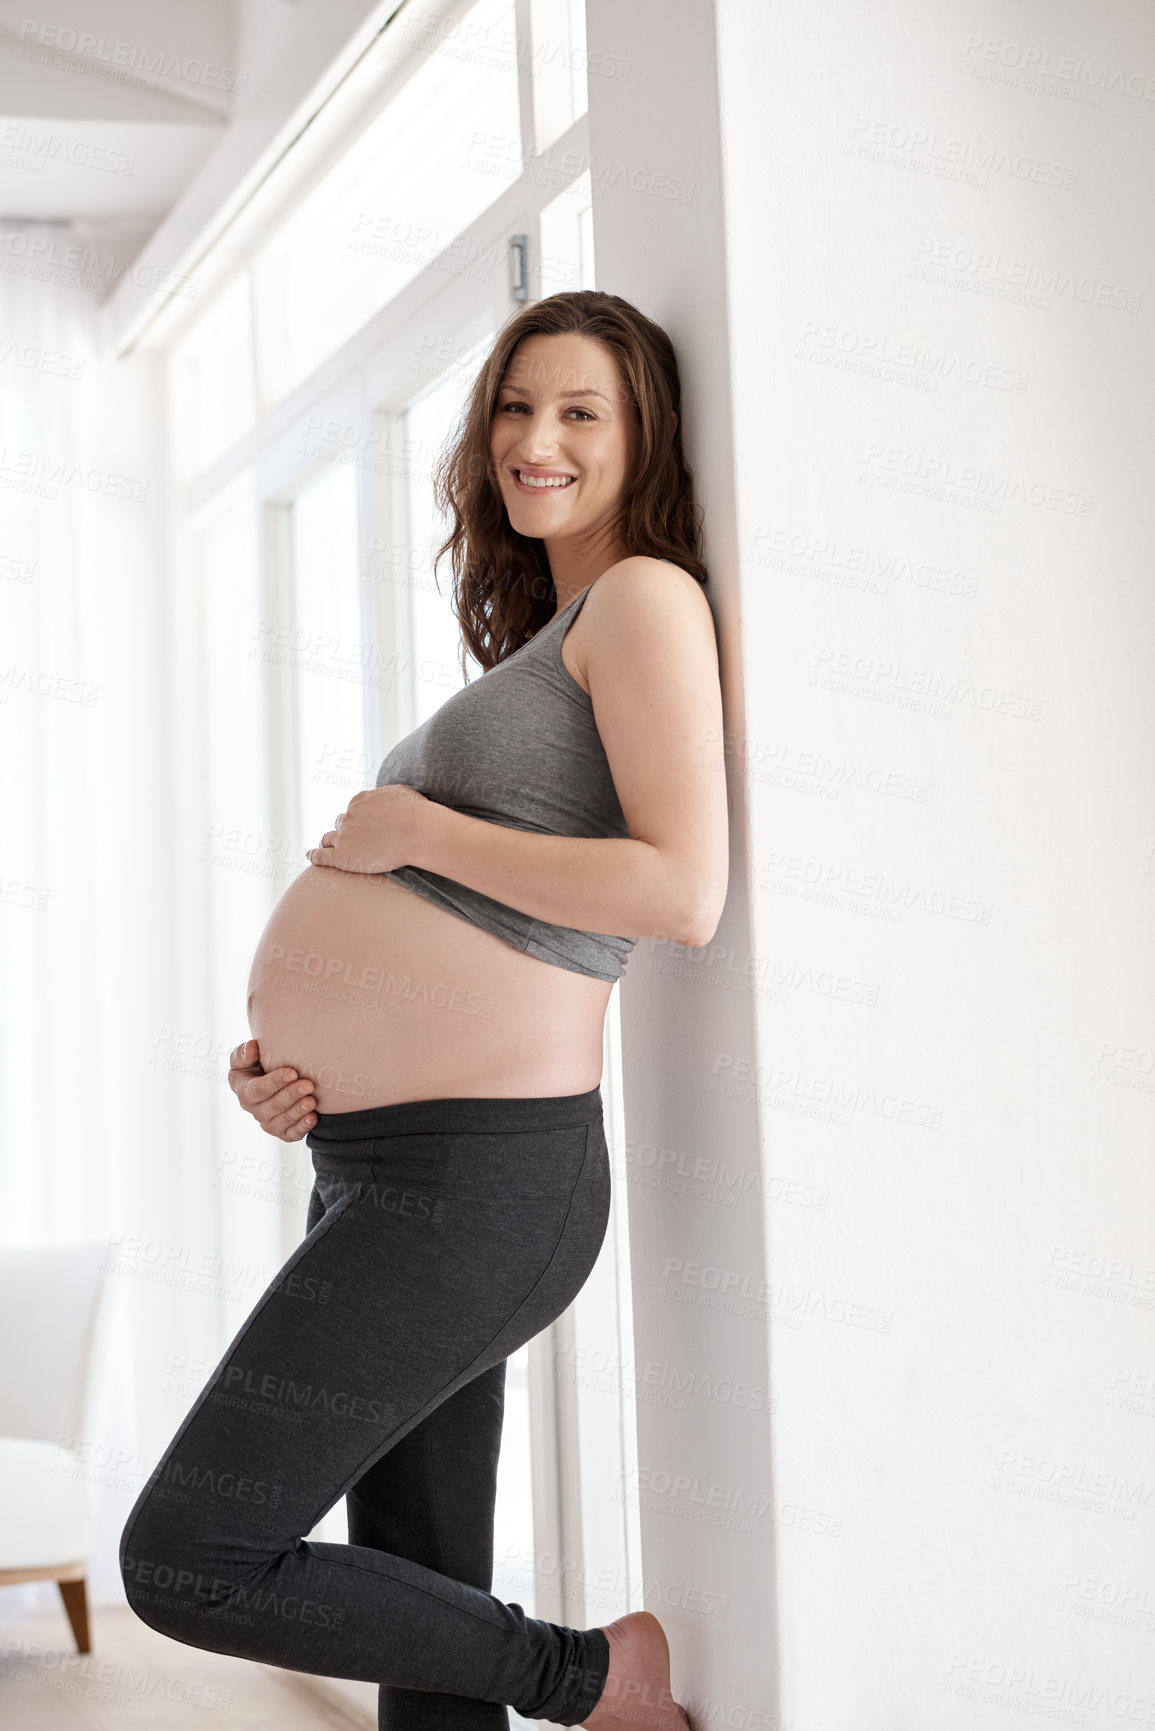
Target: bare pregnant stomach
x: 376, y: 995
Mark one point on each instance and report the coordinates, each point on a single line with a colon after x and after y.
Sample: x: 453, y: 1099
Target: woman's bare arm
x: 651, y: 663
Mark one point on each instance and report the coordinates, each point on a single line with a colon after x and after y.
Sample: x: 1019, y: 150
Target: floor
x: 45, y: 1685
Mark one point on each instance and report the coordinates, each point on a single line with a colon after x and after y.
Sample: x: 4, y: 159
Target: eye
x: 513, y: 403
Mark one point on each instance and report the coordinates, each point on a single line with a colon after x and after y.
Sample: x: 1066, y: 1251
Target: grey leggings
x: 441, y: 1236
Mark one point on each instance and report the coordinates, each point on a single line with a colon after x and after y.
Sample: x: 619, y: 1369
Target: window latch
x: 519, y: 267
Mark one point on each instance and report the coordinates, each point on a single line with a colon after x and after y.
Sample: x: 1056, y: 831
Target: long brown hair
x: 503, y: 590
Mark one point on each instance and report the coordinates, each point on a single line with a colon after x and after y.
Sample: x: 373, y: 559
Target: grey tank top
x: 518, y: 746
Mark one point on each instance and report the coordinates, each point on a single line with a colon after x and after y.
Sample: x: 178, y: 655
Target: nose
x: 538, y: 448
x: 538, y: 440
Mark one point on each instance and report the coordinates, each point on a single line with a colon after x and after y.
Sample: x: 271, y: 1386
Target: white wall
x: 704, y: 1483
x: 941, y: 374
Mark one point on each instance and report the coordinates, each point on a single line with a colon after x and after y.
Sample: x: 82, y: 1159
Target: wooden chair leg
x: 76, y: 1604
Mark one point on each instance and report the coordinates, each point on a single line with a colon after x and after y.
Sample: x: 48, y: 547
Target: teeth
x: 544, y: 480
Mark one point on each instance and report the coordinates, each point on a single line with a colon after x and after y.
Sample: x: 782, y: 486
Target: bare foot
x: 637, y: 1692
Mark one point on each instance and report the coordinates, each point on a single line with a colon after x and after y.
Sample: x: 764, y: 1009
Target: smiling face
x: 561, y: 440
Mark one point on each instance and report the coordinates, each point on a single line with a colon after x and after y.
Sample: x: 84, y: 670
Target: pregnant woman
x: 427, y: 1004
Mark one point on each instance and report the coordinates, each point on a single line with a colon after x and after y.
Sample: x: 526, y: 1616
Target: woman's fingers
x: 290, y: 1107
x: 282, y: 1102
x: 279, y: 1106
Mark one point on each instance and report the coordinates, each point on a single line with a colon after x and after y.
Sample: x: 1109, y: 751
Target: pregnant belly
x: 376, y: 995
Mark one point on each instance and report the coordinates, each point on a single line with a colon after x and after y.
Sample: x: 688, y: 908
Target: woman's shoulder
x: 633, y: 589
x: 642, y: 608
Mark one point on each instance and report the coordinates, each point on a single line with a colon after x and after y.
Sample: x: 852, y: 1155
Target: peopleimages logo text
x: 132, y: 56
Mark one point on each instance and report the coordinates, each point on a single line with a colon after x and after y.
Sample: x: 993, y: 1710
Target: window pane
x: 328, y: 654
x: 245, y: 872
x: 558, y: 53
x: 429, y: 423
x: 211, y: 398
x: 513, y: 1578
x: 397, y: 198
x: 567, y: 239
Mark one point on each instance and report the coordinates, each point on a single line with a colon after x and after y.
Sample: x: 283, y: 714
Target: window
x: 567, y: 241
x: 329, y: 660
x: 558, y: 57
x: 245, y: 860
x: 396, y: 201
x: 211, y: 379
x: 427, y: 424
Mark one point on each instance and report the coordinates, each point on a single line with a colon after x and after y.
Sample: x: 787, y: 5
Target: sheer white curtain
x: 88, y: 1150
x: 51, y: 717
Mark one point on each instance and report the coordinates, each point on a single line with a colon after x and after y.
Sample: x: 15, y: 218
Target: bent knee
x: 167, y: 1594
x: 169, y: 1579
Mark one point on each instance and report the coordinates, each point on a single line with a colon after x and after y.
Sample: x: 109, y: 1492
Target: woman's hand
x: 282, y: 1102
x: 384, y: 827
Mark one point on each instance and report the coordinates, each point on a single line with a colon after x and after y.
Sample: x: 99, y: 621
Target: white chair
x: 49, y: 1299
